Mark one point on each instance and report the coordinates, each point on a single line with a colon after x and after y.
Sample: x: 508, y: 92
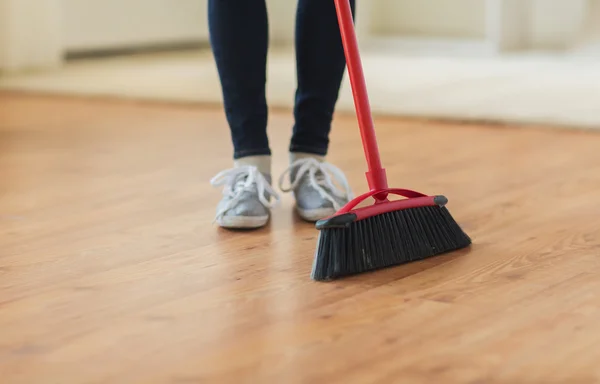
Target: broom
x: 388, y: 232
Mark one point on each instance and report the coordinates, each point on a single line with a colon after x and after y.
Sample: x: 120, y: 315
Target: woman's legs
x: 239, y: 35
x: 239, y: 38
x: 320, y: 66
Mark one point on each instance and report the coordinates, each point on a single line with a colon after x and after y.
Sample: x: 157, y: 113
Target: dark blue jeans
x: 239, y: 37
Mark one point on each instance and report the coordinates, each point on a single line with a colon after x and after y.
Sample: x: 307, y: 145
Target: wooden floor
x: 112, y: 272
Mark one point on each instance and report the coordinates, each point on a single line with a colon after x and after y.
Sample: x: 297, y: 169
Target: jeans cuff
x: 308, y: 149
x: 251, y: 152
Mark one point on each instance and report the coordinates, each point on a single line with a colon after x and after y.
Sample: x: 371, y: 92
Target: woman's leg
x: 239, y: 35
x: 320, y: 65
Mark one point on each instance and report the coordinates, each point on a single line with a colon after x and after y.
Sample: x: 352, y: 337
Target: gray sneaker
x: 246, y: 199
x: 312, y: 183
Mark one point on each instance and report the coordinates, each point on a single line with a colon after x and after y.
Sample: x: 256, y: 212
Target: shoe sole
x: 243, y: 222
x: 314, y: 215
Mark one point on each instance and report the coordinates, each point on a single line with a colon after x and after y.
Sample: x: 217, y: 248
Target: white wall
x: 30, y: 34
x: 282, y: 19
x: 37, y: 33
x: 588, y: 38
x: 431, y: 18
x: 110, y: 24
x: 591, y: 28
x: 556, y: 24
x: 94, y: 24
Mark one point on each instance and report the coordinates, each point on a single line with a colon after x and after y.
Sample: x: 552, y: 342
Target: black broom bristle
x: 386, y: 240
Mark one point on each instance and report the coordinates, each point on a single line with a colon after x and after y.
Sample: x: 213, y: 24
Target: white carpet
x: 538, y: 90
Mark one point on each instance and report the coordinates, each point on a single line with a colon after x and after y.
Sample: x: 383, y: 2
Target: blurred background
x: 524, y: 61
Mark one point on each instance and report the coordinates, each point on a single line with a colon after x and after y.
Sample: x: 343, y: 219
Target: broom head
x: 387, y: 233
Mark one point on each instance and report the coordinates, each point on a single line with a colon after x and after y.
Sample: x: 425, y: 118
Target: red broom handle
x: 376, y: 176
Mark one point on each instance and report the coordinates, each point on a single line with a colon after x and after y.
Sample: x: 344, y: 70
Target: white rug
x: 537, y: 90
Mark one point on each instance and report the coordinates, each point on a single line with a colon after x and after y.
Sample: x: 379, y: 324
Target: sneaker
x: 312, y: 184
x: 246, y: 202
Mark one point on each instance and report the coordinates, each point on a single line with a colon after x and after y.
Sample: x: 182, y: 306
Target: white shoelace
x: 319, y: 178
x: 235, y: 185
